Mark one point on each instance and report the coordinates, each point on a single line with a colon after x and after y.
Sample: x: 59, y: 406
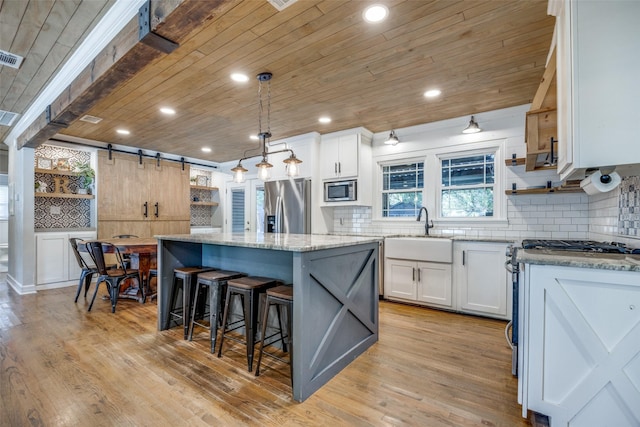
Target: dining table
x: 143, y: 253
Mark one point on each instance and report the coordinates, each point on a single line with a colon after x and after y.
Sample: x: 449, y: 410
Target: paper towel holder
x: 600, y: 180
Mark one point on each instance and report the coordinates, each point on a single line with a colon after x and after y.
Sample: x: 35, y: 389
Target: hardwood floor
x: 62, y: 366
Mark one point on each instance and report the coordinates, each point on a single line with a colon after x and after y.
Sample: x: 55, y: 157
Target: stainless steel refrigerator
x: 287, y: 206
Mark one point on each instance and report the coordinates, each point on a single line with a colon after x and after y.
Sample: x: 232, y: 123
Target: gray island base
x: 335, y: 282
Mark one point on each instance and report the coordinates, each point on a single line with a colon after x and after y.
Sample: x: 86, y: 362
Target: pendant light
x: 264, y: 167
x: 473, y: 127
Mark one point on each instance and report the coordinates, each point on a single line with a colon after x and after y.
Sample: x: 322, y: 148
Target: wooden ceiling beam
x: 169, y: 23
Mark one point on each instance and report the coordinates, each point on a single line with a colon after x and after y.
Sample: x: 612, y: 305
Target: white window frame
x: 396, y: 160
x: 382, y: 191
x: 499, y: 211
x: 431, y: 196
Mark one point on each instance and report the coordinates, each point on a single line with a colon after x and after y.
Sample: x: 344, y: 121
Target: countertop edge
x: 620, y: 262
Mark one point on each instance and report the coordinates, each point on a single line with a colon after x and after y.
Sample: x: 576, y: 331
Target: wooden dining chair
x: 112, y: 277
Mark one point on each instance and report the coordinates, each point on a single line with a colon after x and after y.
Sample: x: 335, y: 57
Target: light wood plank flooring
x: 62, y: 366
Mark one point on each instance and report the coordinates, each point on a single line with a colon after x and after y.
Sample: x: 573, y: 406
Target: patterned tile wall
x: 61, y: 213
x: 201, y: 215
x: 629, y: 206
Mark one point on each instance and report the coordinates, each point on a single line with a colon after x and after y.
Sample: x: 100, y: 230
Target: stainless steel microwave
x: 341, y: 191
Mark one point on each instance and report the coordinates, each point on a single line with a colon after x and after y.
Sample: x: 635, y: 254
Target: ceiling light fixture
x: 167, y: 110
x: 239, y: 77
x: 375, y: 13
x: 264, y: 167
x: 393, y: 139
x: 123, y: 131
x: 324, y: 120
x: 432, y: 93
x: 206, y: 149
x: 473, y: 127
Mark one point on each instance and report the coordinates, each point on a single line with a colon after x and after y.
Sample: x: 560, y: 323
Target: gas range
x: 578, y: 246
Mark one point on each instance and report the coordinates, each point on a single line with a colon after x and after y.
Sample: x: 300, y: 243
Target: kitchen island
x: 335, y: 282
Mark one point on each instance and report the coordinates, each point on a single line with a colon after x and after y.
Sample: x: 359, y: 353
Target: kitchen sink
x: 433, y: 249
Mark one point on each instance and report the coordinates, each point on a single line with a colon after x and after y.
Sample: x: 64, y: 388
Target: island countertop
x: 274, y: 241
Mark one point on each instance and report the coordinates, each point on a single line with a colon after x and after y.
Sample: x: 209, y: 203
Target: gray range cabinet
x: 335, y: 310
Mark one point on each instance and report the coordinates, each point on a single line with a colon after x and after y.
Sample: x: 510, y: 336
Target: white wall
x: 543, y: 216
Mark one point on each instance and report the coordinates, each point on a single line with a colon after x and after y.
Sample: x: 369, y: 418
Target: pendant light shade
x: 264, y: 167
x: 473, y: 127
x: 238, y: 173
x: 393, y: 139
x: 292, y: 165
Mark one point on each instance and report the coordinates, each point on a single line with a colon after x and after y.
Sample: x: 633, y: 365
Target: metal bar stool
x: 182, y: 279
x: 249, y: 290
x: 215, y: 282
x: 280, y: 296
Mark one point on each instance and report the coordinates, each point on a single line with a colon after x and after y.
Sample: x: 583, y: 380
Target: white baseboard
x: 19, y: 287
x: 57, y: 285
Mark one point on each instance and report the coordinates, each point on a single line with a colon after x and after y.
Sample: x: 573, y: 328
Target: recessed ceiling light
x: 239, y: 77
x: 375, y: 13
x: 123, y: 131
x: 253, y: 137
x: 206, y: 149
x: 324, y: 119
x: 167, y: 110
x: 432, y: 93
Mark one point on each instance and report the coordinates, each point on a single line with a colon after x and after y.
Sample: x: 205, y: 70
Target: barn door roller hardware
x: 149, y: 38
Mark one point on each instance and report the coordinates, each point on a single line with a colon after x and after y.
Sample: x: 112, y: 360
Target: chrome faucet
x: 427, y: 226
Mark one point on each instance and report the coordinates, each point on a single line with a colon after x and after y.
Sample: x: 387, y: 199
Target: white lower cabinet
x: 579, y: 351
x: 418, y: 281
x: 472, y: 281
x: 56, y: 264
x: 481, y: 281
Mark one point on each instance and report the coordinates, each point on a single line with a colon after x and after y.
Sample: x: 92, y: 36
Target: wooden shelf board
x: 204, y: 203
x: 56, y: 172
x: 521, y: 161
x: 544, y: 190
x: 202, y: 187
x: 65, y: 195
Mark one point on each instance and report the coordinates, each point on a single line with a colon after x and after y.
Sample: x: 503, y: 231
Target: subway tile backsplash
x: 613, y: 216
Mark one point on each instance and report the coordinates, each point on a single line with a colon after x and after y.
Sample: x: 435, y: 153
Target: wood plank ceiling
x: 326, y: 60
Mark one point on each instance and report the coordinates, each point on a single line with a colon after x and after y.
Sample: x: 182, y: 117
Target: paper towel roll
x: 593, y: 185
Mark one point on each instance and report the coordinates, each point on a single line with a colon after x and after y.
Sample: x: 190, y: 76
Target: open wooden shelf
x: 521, y: 161
x: 202, y: 187
x: 56, y: 172
x: 569, y: 187
x: 204, y: 203
x: 65, y: 195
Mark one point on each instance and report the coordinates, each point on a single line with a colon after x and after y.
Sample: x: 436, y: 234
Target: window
x: 468, y: 186
x: 402, y: 186
x: 260, y: 209
x: 237, y: 211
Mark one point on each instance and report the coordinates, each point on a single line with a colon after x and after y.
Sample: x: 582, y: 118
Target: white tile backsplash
x: 543, y: 216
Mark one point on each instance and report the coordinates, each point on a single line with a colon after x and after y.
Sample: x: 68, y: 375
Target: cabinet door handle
x: 419, y: 279
x: 339, y: 167
x: 413, y: 270
x: 463, y: 257
x: 156, y: 210
x: 335, y: 167
x: 146, y: 209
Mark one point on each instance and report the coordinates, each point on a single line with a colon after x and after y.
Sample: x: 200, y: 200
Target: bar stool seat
x: 249, y: 290
x: 215, y: 281
x: 278, y: 296
x: 182, y: 279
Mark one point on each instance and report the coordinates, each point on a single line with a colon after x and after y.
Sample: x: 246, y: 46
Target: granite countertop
x: 437, y: 236
x: 63, y: 230
x: 276, y: 241
x: 624, y: 262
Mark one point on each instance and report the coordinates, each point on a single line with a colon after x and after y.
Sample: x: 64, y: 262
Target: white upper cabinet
x: 339, y: 158
x: 598, y: 89
x: 346, y: 155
